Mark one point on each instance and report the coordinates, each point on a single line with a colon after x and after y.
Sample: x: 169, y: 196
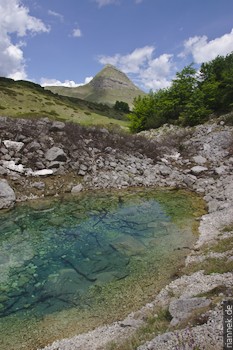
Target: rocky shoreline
x: 43, y: 158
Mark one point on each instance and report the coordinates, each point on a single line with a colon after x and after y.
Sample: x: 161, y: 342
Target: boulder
x: 165, y: 170
x: 42, y: 172
x: 76, y: 189
x: 13, y: 145
x: 10, y: 164
x: 221, y: 170
x: 128, y: 245
x: 33, y: 146
x: 7, y: 195
x: 196, y: 170
x: 181, y: 309
x: 3, y: 171
x: 56, y: 154
x: 199, y: 160
x: 57, y: 126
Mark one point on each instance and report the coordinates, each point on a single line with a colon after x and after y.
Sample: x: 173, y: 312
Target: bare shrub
x: 101, y: 138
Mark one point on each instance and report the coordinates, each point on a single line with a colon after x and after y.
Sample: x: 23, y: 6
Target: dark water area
x: 72, y: 263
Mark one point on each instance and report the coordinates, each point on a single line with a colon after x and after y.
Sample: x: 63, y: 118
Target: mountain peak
x: 111, y: 78
x: 108, y: 86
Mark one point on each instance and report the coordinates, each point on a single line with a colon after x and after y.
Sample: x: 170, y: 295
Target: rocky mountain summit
x: 44, y: 158
x: 112, y: 78
x: 108, y: 86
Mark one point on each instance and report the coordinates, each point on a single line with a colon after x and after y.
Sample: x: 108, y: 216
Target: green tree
x: 142, y: 110
x: 122, y: 106
x: 182, y: 89
x: 190, y: 99
x: 194, y: 112
x: 217, y: 83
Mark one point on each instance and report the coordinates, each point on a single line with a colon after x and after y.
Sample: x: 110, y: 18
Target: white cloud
x: 15, y: 19
x: 203, y: 50
x: 102, y: 3
x: 77, y: 33
x: 159, y: 72
x: 66, y: 83
x: 130, y: 63
x: 56, y: 14
x: 151, y: 72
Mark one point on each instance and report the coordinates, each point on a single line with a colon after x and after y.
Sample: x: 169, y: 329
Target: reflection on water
x: 66, y: 254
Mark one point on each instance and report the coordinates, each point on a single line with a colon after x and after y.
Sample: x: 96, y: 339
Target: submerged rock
x: 128, y: 245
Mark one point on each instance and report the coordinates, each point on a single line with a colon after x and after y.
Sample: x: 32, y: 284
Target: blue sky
x: 66, y: 42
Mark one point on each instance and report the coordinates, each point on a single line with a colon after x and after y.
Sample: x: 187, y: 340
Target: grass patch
x: 210, y: 265
x: 19, y: 98
x: 223, y: 245
x: 153, y: 326
x: 228, y: 228
x: 213, y: 292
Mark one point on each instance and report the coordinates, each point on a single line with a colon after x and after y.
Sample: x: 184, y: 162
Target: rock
x: 3, y: 171
x: 220, y: 170
x: 3, y: 150
x: 39, y: 165
x: 213, y: 205
x: 7, y: 195
x: 181, y: 309
x: 57, y: 126
x: 76, y: 189
x: 83, y: 167
x: 54, y: 165
x: 128, y: 245
x: 39, y: 185
x: 165, y: 170
x: 196, y: 170
x: 13, y: 145
x: 10, y: 164
x: 199, y: 160
x: 43, y: 172
x: 33, y: 146
x: 189, y: 180
x: 56, y: 154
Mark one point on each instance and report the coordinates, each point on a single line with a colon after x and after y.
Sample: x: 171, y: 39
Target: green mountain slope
x: 108, y: 86
x: 25, y: 99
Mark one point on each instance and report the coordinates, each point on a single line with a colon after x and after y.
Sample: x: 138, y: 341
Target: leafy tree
x: 142, y: 111
x: 217, y: 83
x: 122, y: 106
x: 190, y: 99
x: 194, y: 111
x: 182, y: 89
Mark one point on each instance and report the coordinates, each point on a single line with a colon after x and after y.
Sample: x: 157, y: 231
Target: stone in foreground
x: 7, y: 195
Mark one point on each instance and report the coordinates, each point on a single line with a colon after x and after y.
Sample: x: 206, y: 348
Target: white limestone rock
x: 7, y: 195
x: 13, y: 145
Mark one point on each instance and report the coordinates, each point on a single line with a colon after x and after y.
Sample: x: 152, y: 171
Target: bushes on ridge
x: 191, y: 98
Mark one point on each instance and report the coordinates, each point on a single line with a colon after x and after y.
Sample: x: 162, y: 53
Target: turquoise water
x: 68, y: 253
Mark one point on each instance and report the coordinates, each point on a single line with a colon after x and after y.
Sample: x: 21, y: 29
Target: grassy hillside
x: 24, y: 99
x: 108, y: 86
